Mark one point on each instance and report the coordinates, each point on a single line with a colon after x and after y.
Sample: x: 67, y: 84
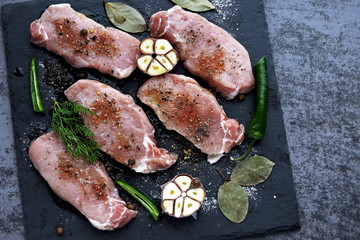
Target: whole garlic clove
x: 173, y: 57
x: 147, y: 46
x: 183, y: 181
x: 143, y: 62
x: 197, y: 194
x: 178, y: 207
x: 190, y: 207
x: 171, y: 191
x: 162, y: 46
x: 155, y: 68
x: 168, y: 205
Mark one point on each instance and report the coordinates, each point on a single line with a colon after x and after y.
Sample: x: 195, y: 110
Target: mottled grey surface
x: 11, y: 226
x: 316, y: 50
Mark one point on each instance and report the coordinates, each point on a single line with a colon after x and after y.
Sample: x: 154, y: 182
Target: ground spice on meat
x: 66, y: 169
x: 212, y: 64
x: 100, y: 190
x: 187, y: 112
x: 106, y: 110
x: 89, y: 42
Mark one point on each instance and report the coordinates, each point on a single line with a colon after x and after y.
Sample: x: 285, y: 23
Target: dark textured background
x: 316, y: 46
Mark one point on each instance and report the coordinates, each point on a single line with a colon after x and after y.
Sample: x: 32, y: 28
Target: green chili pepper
x: 34, y: 88
x: 256, y: 129
x: 144, y: 200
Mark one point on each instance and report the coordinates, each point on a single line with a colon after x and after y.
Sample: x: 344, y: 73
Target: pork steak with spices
x: 87, y: 187
x: 207, y: 50
x: 84, y: 43
x: 191, y: 110
x: 121, y: 127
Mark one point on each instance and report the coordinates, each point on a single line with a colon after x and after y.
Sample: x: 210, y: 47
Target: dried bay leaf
x: 252, y: 171
x: 195, y: 5
x: 125, y: 17
x: 233, y: 201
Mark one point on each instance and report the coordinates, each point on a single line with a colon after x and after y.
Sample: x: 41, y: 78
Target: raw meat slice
x: 84, y: 43
x: 207, y: 50
x: 87, y: 187
x: 184, y: 106
x: 121, y: 127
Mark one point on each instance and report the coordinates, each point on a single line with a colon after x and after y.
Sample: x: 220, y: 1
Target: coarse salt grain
x: 209, y: 204
x: 224, y: 8
x: 251, y: 192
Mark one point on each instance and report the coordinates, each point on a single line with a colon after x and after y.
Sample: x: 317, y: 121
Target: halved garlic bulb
x: 182, y: 196
x: 158, y: 57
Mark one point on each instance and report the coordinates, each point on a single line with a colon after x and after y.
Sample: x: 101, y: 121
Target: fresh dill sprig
x: 68, y: 124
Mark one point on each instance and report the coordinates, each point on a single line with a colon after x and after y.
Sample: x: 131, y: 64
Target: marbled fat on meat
x: 87, y: 187
x: 184, y: 106
x: 121, y: 127
x: 207, y: 50
x: 84, y: 43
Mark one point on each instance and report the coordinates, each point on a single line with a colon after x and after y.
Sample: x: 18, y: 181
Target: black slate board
x: 272, y: 205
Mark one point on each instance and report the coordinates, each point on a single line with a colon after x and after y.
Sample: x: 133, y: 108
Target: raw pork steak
x: 184, y: 106
x: 87, y: 187
x: 85, y: 43
x: 207, y: 50
x: 121, y: 127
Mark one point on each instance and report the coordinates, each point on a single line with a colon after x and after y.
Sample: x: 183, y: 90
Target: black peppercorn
x: 131, y: 162
x: 81, y: 75
x: 83, y: 32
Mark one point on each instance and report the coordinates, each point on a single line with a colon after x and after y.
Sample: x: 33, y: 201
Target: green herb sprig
x: 68, y: 124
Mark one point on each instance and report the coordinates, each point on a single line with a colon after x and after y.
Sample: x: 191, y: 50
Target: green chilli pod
x: 144, y: 200
x: 34, y: 88
x: 256, y: 129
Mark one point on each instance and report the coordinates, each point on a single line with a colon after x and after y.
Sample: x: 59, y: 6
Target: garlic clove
x: 143, y: 62
x: 179, y: 207
x: 197, y: 194
x: 168, y: 206
x: 183, y: 181
x: 173, y: 57
x: 171, y: 191
x: 190, y: 207
x: 162, y: 46
x: 147, y: 46
x: 155, y: 68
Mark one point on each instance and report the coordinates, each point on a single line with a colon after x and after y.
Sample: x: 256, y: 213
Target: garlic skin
x: 182, y: 196
x: 158, y: 56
